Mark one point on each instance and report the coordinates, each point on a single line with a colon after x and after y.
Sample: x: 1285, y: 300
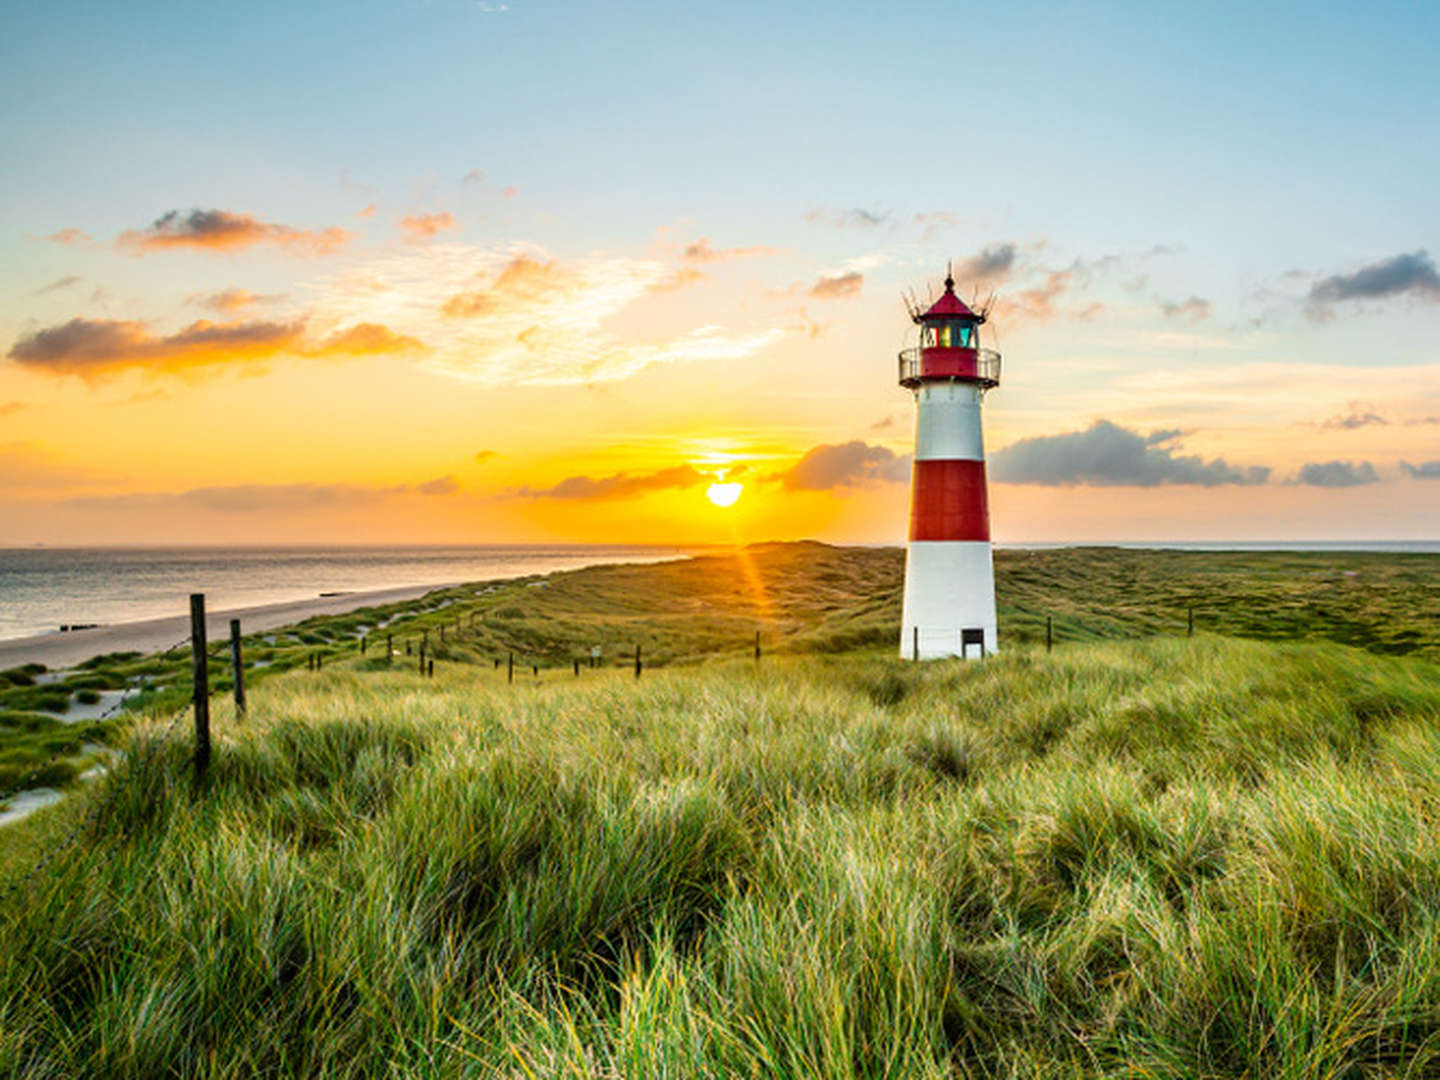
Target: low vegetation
x: 1174, y: 857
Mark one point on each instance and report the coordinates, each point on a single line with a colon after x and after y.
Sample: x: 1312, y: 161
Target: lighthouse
x: 949, y: 605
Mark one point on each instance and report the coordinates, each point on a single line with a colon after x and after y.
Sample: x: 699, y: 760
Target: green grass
x: 1163, y: 858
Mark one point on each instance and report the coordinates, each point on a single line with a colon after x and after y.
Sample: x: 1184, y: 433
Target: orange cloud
x: 424, y: 226
x: 232, y: 300
x: 71, y: 238
x: 367, y: 212
x: 618, y: 486
x: 681, y: 278
x: 838, y: 286
x: 101, y: 347
x: 221, y: 230
x: 523, y: 279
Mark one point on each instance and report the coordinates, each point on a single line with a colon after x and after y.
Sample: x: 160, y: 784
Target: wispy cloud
x: 96, y: 348
x: 225, y: 231
x: 518, y: 316
x: 854, y: 218
x: 839, y: 286
x: 1107, y: 455
x: 265, y: 498
x: 482, y: 456
x: 1360, y: 415
x: 71, y: 238
x: 700, y: 251
x: 845, y: 465
x: 1337, y: 474
x: 989, y: 266
x: 10, y: 408
x: 619, y: 485
x: 57, y: 285
x: 474, y: 176
x: 230, y: 301
x: 1426, y: 470
x: 1194, y: 309
x: 424, y: 226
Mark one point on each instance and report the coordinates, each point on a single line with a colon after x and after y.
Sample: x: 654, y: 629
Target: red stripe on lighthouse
x: 948, y: 501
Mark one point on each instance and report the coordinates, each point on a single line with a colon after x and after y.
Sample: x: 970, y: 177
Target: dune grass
x: 1167, y: 858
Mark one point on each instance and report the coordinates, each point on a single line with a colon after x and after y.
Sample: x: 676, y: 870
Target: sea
x: 45, y: 588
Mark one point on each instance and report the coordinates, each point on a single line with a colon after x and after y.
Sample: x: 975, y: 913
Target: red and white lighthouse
x: 949, y: 576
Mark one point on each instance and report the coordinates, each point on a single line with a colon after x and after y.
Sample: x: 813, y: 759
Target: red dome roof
x: 949, y: 306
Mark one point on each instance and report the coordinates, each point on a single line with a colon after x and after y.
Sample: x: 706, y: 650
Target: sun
x: 724, y: 494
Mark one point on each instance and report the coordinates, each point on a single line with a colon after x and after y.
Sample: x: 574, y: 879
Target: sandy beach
x: 151, y: 635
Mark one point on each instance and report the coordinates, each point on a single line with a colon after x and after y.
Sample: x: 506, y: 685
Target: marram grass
x: 1164, y: 859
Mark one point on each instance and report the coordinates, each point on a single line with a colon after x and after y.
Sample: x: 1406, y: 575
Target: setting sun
x: 724, y: 494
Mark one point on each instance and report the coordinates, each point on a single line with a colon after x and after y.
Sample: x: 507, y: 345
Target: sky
x: 501, y: 272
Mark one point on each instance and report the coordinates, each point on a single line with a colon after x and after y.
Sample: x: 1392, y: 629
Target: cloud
x: 474, y: 176
x: 1426, y: 470
x: 482, y: 456
x: 9, y: 408
x: 857, y: 218
x: 441, y: 485
x: 1194, y: 309
x: 1337, y: 474
x: 1107, y: 455
x: 516, y: 316
x: 231, y: 300
x: 58, y: 284
x: 1419, y: 420
x: 1360, y: 415
x: 841, y: 285
x: 222, y: 230
x: 264, y: 498
x: 71, y: 238
x: 990, y: 265
x: 101, y: 347
x: 524, y: 279
x: 368, y: 211
x: 423, y: 226
x: 509, y: 191
x: 845, y: 465
x: 701, y: 251
x: 683, y: 277
x: 618, y: 486
x: 1413, y: 273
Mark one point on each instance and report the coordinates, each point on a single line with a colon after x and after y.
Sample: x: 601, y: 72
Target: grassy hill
x: 1158, y: 857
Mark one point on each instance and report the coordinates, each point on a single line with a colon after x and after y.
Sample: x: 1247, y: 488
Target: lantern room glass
x: 950, y: 334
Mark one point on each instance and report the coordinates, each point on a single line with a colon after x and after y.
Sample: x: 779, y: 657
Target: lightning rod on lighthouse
x: 949, y: 607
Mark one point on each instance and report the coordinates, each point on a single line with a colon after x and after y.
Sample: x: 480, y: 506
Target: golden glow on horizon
x: 724, y: 494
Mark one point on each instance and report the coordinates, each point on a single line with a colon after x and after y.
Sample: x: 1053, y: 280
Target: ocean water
x: 42, y: 589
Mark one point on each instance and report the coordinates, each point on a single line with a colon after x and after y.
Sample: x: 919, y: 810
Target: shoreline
x: 60, y: 650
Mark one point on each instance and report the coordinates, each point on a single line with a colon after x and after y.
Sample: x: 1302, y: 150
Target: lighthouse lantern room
x: 949, y: 607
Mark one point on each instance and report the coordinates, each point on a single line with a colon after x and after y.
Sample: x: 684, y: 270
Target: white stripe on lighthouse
x: 947, y: 424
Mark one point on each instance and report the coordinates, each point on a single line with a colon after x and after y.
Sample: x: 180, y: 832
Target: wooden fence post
x: 201, y: 672
x: 757, y: 646
x: 1190, y: 622
x: 1049, y: 633
x: 237, y: 661
x: 510, y: 668
x: 422, y: 658
x: 319, y: 661
x: 430, y: 670
x: 389, y: 649
x: 577, y: 668
x: 638, y: 667
x: 363, y: 642
x: 915, y: 648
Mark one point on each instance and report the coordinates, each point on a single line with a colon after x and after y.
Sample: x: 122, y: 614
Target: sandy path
x: 151, y: 635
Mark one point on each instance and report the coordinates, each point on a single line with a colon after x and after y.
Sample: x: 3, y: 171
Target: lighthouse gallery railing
x: 987, y: 367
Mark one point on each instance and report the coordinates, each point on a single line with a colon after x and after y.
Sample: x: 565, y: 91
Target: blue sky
x: 1191, y: 172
